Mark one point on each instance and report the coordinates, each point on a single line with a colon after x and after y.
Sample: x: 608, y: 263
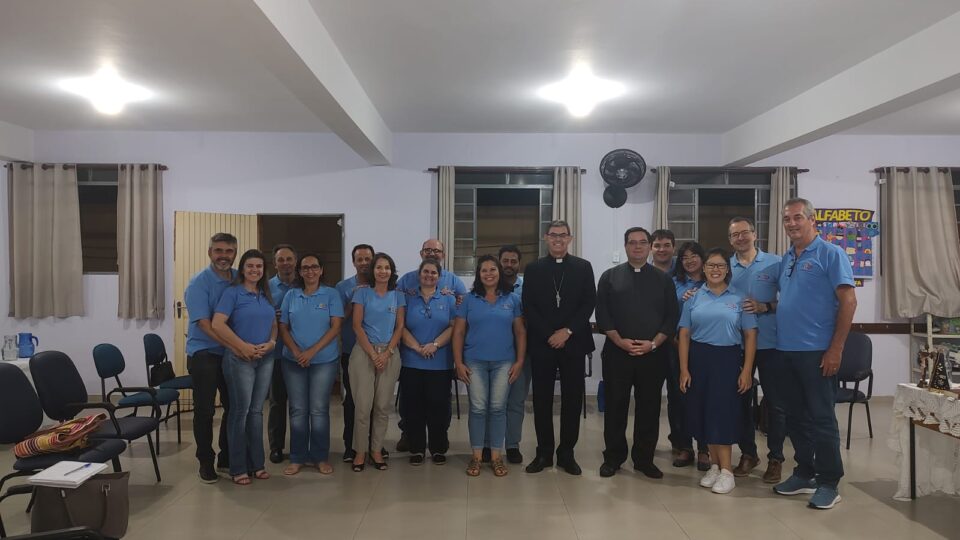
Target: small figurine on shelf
x: 925, y: 359
x: 940, y: 376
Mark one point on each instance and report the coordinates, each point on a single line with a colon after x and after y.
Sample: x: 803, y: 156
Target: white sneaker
x: 710, y: 478
x: 724, y: 483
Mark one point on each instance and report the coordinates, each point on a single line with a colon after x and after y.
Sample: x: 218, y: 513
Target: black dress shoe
x: 207, y: 474
x: 348, y: 455
x: 514, y: 456
x: 485, y: 456
x: 607, y: 470
x: 648, y: 469
x: 570, y: 466
x: 276, y: 456
x: 538, y: 464
x: 439, y: 459
x: 416, y: 459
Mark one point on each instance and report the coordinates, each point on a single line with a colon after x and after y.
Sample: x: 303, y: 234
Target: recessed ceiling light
x: 581, y: 91
x: 108, y: 93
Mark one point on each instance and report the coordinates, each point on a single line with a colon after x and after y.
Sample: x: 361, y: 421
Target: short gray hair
x: 808, y: 209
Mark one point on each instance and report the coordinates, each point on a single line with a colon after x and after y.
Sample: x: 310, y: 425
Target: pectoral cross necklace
x: 556, y: 288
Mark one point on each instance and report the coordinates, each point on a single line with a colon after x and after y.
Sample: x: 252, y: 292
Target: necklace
x: 556, y: 288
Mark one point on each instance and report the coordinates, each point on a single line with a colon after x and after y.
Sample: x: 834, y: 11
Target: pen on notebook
x: 80, y: 468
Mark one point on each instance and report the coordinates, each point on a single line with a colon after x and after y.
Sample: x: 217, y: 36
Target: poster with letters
x: 855, y: 231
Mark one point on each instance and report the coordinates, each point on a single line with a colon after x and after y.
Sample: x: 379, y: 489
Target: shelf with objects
x: 933, y: 335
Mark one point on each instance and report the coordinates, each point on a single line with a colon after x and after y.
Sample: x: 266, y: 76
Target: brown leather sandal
x: 499, y: 469
x: 473, y: 468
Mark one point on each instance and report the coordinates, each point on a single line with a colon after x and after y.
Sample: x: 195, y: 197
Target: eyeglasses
x: 638, y: 243
x: 558, y: 236
x: 715, y: 266
x: 431, y: 251
x: 310, y: 268
x: 739, y: 234
x: 792, y: 266
x: 426, y: 312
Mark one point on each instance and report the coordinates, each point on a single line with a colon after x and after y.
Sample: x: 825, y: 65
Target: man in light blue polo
x: 814, y: 314
x: 285, y: 263
x: 754, y: 275
x: 205, y: 352
x: 409, y: 284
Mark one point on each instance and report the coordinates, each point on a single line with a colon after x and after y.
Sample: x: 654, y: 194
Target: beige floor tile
x: 515, y: 519
x: 400, y: 520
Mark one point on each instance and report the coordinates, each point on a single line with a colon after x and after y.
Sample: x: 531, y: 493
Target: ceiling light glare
x: 106, y: 90
x: 581, y: 91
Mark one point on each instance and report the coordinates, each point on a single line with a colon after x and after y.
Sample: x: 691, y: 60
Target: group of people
x: 700, y: 321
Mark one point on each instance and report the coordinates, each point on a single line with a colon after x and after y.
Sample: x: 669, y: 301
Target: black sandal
x: 358, y: 467
x: 380, y: 465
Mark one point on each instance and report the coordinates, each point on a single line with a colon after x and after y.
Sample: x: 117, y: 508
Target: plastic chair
x: 856, y: 365
x: 63, y: 394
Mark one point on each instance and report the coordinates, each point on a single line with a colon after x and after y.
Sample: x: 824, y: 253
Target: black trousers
x: 645, y: 376
x: 348, y: 406
x: 207, y: 373
x: 427, y: 409
x: 544, y: 370
x: 277, y: 417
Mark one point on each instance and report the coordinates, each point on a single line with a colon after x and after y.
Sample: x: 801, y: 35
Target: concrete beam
x: 16, y: 143
x: 327, y: 85
x: 918, y: 68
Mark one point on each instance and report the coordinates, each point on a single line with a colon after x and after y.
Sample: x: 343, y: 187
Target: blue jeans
x: 516, y: 401
x: 248, y: 384
x: 809, y: 399
x: 308, y: 393
x: 488, y: 388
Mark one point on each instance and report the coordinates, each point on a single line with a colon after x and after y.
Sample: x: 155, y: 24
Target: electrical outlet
x: 616, y: 256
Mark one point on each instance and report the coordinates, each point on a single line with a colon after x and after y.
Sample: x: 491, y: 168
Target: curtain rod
x: 653, y: 169
x: 907, y: 169
x: 66, y: 166
x: 500, y: 169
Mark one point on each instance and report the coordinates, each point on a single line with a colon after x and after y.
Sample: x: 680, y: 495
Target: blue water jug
x: 25, y: 344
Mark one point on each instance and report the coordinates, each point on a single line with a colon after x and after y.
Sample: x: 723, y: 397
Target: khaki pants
x: 372, y: 393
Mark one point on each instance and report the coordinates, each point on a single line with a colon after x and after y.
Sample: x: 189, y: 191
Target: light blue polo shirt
x: 426, y: 320
x: 278, y: 290
x: 807, y: 311
x: 448, y: 283
x: 758, y: 281
x: 201, y: 296
x: 346, y: 288
x: 490, y: 327
x: 379, y: 313
x: 309, y: 318
x: 716, y: 320
x: 684, y: 286
x: 249, y: 315
x: 518, y: 287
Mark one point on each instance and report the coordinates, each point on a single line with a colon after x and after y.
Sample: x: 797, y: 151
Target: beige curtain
x: 46, y: 261
x: 140, y: 242
x: 445, y: 192
x: 566, y: 201
x: 780, y: 193
x: 661, y: 204
x: 919, y: 243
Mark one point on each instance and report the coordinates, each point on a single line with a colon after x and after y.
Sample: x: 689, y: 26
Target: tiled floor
x: 431, y: 502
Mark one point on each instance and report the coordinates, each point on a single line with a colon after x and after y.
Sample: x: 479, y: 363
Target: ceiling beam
x: 324, y: 82
x: 914, y: 70
x: 16, y: 143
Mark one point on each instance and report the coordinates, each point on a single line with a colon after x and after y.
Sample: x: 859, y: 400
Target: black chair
x: 22, y: 416
x: 110, y: 363
x: 73, y: 533
x: 63, y: 395
x: 856, y: 366
x: 155, y: 354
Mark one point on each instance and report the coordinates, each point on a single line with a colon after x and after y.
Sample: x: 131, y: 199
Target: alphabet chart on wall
x: 855, y: 231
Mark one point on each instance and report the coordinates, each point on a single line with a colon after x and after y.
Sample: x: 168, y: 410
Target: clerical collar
x: 558, y: 260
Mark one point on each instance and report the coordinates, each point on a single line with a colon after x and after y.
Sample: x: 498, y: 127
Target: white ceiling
x: 936, y: 116
x: 692, y: 66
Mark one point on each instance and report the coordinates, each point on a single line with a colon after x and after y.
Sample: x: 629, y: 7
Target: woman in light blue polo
x: 718, y: 342
x: 378, y: 315
x: 687, y: 278
x: 489, y: 346
x: 246, y: 321
x: 688, y: 272
x: 310, y: 319
x: 427, y: 366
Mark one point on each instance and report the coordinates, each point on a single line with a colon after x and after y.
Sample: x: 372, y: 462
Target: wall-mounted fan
x: 621, y: 169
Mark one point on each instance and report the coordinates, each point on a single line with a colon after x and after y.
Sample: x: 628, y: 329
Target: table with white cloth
x: 24, y: 365
x: 929, y: 457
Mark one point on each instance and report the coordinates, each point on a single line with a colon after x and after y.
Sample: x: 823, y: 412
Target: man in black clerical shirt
x: 559, y: 295
x: 637, y: 310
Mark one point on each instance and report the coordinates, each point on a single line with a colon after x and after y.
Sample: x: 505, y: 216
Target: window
x: 703, y: 200
x: 493, y: 207
x: 97, y: 189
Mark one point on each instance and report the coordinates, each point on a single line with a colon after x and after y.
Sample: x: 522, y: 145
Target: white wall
x: 394, y: 207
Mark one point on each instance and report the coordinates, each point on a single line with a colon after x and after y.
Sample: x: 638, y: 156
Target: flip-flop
x: 325, y: 468
x: 241, y: 480
x: 292, y: 469
x: 262, y: 474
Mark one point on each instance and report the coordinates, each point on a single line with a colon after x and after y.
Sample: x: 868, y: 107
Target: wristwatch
x: 653, y: 345
x: 435, y: 344
x: 569, y: 331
